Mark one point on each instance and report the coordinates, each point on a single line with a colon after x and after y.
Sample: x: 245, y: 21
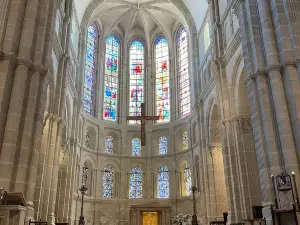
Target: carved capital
x: 245, y: 125
x: 213, y: 150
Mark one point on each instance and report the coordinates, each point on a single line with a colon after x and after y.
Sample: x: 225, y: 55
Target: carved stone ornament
x: 245, y: 126
x: 213, y: 150
x: 87, y: 139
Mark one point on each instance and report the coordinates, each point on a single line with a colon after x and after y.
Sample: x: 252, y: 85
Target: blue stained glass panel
x: 136, y: 147
x: 163, y: 145
x: 90, y: 71
x: 135, y: 183
x: 183, y: 71
x: 162, y: 80
x: 108, y: 175
x: 136, y: 89
x: 163, y: 182
x: 111, y: 82
x: 187, y: 179
x: 109, y: 145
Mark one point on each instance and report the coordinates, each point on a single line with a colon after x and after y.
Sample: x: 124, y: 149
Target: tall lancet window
x: 163, y: 145
x: 111, y: 82
x: 162, y: 80
x: 183, y: 73
x: 136, y: 89
x: 90, y: 71
x: 109, y: 145
x: 108, y: 175
x: 187, y: 179
x: 135, y: 183
x: 163, y: 189
x: 136, y: 147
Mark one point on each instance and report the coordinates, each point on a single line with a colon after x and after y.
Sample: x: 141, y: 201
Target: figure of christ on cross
x: 143, y: 119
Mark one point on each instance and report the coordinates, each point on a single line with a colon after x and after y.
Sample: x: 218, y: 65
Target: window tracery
x: 185, y: 140
x: 187, y: 176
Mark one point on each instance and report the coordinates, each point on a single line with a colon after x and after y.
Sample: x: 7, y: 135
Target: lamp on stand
x: 194, y: 217
x: 83, y: 190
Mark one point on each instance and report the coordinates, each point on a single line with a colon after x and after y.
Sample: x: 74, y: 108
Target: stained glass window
x: 187, y: 180
x: 85, y: 171
x: 90, y: 71
x: 163, y: 182
x: 163, y: 145
x: 162, y: 80
x: 183, y: 72
x: 185, y: 141
x: 108, y: 180
x: 136, y: 95
x: 109, y: 145
x: 111, y: 83
x: 135, y: 183
x: 136, y: 147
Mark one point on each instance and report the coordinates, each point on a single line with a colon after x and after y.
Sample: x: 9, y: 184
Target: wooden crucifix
x: 143, y: 119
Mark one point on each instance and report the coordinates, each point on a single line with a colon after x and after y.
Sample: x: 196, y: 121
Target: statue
x: 3, y: 196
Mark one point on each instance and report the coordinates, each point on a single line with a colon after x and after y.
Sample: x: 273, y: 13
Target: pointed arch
x: 183, y: 72
x: 136, y: 80
x: 162, y: 79
x: 111, y: 81
x: 90, y: 70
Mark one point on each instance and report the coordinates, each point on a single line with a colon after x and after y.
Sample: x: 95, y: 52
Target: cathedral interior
x: 132, y: 112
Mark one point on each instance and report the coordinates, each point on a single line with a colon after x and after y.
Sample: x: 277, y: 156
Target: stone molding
x: 232, y: 47
x: 245, y: 125
x: 208, y: 88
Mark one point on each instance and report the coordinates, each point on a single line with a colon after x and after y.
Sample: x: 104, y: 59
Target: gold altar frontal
x: 150, y: 218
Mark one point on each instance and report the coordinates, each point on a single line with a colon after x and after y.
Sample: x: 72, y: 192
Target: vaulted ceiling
x: 146, y: 16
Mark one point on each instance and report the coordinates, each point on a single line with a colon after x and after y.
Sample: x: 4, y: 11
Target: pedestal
x: 12, y: 214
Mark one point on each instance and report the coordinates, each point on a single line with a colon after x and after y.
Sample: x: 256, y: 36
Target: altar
x: 150, y: 215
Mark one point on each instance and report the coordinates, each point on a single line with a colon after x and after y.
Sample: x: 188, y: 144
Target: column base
x: 51, y: 219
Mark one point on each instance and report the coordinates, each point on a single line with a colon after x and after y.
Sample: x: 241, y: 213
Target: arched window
x: 187, y: 179
x: 109, y: 145
x: 163, y: 145
x: 185, y: 140
x: 136, y: 90
x: 206, y: 37
x: 135, y: 183
x: 163, y: 188
x: 108, y: 175
x: 183, y: 73
x: 90, y: 71
x: 162, y: 80
x: 111, y: 82
x: 136, y: 147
